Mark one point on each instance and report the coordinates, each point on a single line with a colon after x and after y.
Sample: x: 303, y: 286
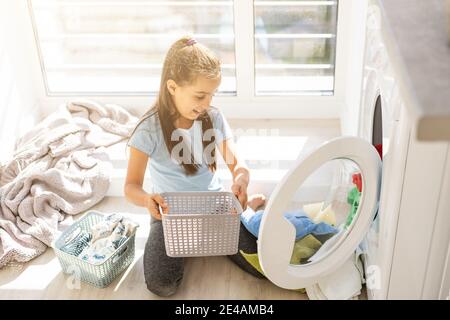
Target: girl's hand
x: 239, y: 170
x: 239, y: 188
x: 153, y: 202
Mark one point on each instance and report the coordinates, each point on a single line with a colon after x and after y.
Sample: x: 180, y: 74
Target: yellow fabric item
x: 304, y: 248
x: 253, y: 259
x: 312, y: 209
x: 316, y: 214
x: 326, y: 216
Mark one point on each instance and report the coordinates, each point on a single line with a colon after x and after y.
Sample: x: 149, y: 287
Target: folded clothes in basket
x: 77, y: 245
x: 102, y: 240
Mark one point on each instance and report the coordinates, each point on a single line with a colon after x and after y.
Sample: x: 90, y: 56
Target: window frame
x: 245, y: 104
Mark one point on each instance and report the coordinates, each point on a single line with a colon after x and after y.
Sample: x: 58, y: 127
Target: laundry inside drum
x: 324, y: 209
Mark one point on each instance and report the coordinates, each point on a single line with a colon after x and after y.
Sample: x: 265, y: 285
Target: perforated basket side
x: 201, y: 224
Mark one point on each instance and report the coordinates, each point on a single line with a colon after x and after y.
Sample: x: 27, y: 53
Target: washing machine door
x: 278, y: 236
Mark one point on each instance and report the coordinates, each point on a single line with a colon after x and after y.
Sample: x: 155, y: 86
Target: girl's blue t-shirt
x: 165, y: 173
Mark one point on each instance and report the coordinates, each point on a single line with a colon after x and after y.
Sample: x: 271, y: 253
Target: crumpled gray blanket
x: 59, y: 168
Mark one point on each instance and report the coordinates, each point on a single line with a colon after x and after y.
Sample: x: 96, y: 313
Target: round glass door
x: 319, y: 212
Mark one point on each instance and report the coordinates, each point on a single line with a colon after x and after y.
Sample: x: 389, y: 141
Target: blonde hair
x: 185, y: 61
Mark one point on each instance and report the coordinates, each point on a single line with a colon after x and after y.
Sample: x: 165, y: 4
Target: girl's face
x: 192, y: 100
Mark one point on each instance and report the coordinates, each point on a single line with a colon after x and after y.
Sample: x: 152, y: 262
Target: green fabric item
x: 353, y: 199
x: 304, y: 248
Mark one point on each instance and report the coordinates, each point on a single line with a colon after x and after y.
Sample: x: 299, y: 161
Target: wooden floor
x: 204, y: 278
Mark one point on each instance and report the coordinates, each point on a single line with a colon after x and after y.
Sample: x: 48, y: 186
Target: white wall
x: 18, y: 82
x: 355, y: 30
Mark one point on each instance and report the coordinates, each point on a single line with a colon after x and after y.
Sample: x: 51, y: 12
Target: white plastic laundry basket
x: 201, y: 223
x: 99, y: 275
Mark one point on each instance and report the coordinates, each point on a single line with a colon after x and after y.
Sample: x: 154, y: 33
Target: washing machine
x: 406, y: 247
x: 373, y: 231
x: 381, y: 124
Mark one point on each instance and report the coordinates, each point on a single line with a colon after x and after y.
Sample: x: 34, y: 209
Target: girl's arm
x: 239, y: 170
x: 133, y: 188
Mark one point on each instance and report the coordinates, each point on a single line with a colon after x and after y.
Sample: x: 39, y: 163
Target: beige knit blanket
x: 59, y: 168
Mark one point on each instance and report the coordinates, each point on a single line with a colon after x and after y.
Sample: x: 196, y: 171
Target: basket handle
x: 72, y: 235
x: 119, y: 254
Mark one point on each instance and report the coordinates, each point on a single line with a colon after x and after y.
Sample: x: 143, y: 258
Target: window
x: 116, y: 47
x: 295, y: 44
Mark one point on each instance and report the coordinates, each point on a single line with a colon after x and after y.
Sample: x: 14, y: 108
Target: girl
x: 190, y: 77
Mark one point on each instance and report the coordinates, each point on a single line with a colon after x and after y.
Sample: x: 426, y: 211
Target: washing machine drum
x: 319, y: 212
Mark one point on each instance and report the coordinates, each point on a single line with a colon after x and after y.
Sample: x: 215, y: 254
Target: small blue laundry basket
x: 99, y: 275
